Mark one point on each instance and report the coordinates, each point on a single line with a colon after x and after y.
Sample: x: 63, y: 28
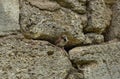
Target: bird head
x: 65, y: 38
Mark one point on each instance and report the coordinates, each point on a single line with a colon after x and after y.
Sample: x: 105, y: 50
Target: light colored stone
x: 9, y: 16
x: 110, y: 2
x: 78, y: 6
x: 33, y: 59
x: 93, y: 38
x: 98, y: 61
x: 114, y: 30
x: 99, y: 16
x: 45, y: 4
x: 47, y: 25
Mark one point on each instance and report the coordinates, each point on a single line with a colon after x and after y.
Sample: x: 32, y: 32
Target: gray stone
x: 93, y: 38
x: 45, y: 4
x: 49, y: 19
x: 79, y: 6
x: 114, y: 30
x: 110, y: 2
x: 98, y: 61
x: 40, y: 23
x: 9, y: 16
x: 32, y: 59
x: 99, y: 16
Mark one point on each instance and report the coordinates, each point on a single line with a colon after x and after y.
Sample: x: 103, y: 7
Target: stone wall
x: 59, y: 39
x: 9, y: 16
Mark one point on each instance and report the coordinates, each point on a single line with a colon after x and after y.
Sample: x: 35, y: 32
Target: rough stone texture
x: 98, y: 16
x: 110, y: 2
x: 45, y: 4
x: 84, y: 22
x: 37, y: 23
x: 9, y: 15
x: 114, y: 30
x: 78, y: 6
x: 93, y: 38
x: 31, y: 59
x: 50, y: 19
x: 98, y: 61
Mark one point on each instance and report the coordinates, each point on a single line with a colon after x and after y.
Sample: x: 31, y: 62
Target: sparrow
x: 61, y: 41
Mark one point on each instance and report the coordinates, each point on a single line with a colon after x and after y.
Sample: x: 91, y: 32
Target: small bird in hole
x: 61, y: 41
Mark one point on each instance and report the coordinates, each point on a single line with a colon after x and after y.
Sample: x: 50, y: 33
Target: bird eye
x: 65, y: 39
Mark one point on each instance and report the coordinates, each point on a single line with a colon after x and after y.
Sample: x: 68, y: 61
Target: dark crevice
x: 87, y: 12
x: 74, y: 64
x: 107, y: 30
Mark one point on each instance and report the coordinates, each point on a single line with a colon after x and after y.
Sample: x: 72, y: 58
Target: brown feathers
x: 61, y: 41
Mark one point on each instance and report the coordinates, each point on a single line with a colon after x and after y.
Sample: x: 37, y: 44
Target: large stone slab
x: 39, y: 21
x: 114, y: 30
x: 31, y: 59
x: 98, y: 61
x: 50, y: 19
x: 9, y: 16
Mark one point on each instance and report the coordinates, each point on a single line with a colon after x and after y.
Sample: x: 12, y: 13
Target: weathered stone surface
x: 83, y: 21
x: 78, y: 6
x: 114, y: 30
x: 48, y: 20
x: 98, y: 16
x: 98, y: 61
x: 45, y: 4
x: 9, y: 16
x: 93, y: 38
x: 31, y: 59
x: 43, y: 24
x: 110, y: 2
